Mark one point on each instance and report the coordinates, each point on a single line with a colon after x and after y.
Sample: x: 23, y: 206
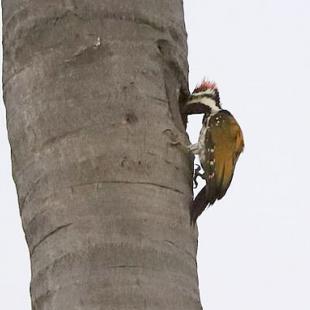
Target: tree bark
x: 93, y: 91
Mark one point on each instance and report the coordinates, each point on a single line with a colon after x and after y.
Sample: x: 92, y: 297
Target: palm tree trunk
x: 92, y: 91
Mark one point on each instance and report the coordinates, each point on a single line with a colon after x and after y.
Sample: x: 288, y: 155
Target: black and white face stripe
x: 209, y: 98
x: 202, y: 95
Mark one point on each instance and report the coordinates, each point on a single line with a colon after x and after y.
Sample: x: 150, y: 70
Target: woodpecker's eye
x: 208, y: 110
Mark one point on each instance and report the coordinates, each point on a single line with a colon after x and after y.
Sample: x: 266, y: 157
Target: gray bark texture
x: 93, y: 92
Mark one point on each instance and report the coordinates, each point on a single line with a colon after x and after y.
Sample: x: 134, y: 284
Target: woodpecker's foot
x: 197, y: 174
x: 194, y: 148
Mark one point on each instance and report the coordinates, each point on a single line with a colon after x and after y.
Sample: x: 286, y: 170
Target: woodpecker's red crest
x: 204, y: 85
x: 219, y: 146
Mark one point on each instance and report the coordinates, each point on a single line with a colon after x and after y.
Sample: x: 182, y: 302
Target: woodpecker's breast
x: 205, y: 144
x: 202, y: 143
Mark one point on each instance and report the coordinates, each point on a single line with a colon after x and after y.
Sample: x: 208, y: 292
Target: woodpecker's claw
x: 197, y: 169
x: 197, y: 174
x: 195, y: 183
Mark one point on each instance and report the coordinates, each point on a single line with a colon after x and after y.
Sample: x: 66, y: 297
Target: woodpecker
x: 219, y: 146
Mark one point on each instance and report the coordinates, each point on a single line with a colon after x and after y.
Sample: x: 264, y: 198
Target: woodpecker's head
x: 205, y: 98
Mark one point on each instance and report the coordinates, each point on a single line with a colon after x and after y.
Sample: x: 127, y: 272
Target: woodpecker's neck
x: 211, y: 103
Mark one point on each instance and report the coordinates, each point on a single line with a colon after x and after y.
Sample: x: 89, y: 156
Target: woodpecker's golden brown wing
x: 223, y: 145
x: 226, y: 135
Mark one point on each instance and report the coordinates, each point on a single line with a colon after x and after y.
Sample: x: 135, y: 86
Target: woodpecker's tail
x: 204, y: 199
x: 198, y: 205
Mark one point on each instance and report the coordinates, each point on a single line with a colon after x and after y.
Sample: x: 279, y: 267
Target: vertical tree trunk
x: 90, y: 89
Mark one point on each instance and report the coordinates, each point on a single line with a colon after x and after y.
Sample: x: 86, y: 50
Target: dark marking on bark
x: 40, y: 301
x: 123, y: 161
x: 123, y: 266
x: 10, y: 77
x: 181, y: 249
x: 169, y: 162
x: 174, y: 34
x: 48, y: 235
x: 142, y: 20
x: 86, y: 55
x: 65, y: 15
x: 133, y: 183
x: 23, y: 13
x: 131, y: 118
x: 27, y: 196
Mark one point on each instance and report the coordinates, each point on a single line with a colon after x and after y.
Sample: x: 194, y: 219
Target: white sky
x: 254, y: 248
